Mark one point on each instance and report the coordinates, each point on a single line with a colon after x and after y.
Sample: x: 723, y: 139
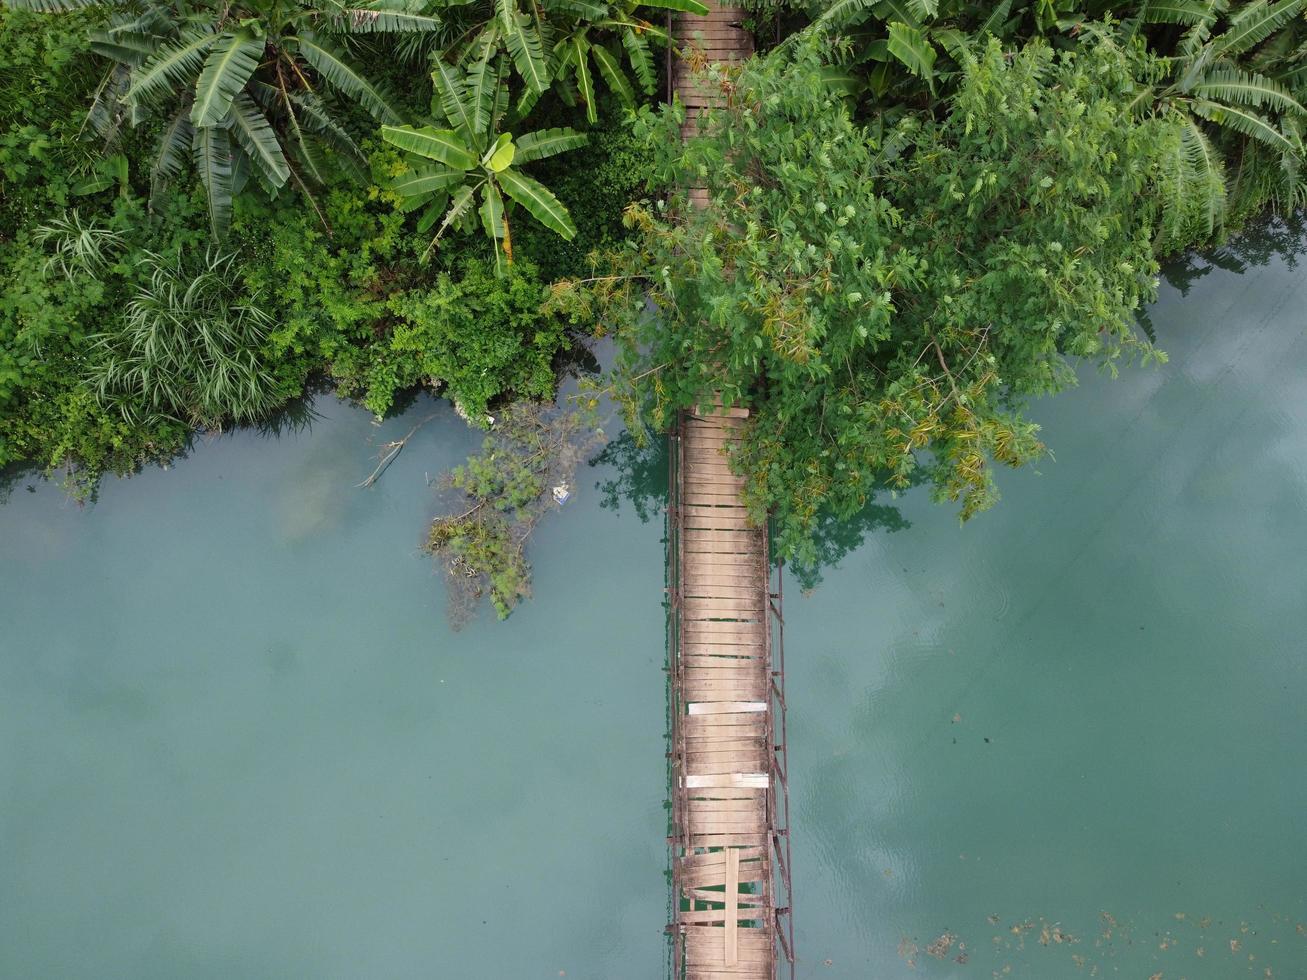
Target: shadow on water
x: 638, y: 477
x: 298, y: 415
x: 1274, y: 238
x: 295, y: 417
x: 834, y: 538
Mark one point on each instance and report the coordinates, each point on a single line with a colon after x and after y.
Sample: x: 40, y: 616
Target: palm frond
x: 105, y: 112
x: 455, y: 100
x: 525, y: 46
x: 211, y: 146
x: 230, y: 63
x: 546, y: 143
x: 580, y: 60
x: 172, y: 67
x: 613, y: 75
x: 1185, y: 12
x: 173, y: 149
x: 640, y: 59
x: 50, y: 6
x: 1193, y: 193
x: 540, y: 201
x: 483, y: 81
x: 255, y: 135
x: 336, y: 67
x: 845, y: 11
x: 389, y: 17
x: 127, y: 47
x: 1245, y: 88
x: 1246, y: 122
x: 1254, y: 24
x: 422, y: 182
x: 442, y: 145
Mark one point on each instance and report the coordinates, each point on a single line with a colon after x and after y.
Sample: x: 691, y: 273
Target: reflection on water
x: 1062, y: 741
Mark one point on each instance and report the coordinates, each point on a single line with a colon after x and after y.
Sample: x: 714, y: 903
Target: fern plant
x: 449, y: 170
x: 238, y: 87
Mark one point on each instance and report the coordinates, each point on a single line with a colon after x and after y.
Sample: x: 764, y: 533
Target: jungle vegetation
x: 922, y: 214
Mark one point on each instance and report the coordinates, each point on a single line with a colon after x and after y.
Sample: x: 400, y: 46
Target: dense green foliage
x: 238, y: 89
x: 923, y: 213
x: 445, y: 168
x: 102, y: 262
x: 876, y: 295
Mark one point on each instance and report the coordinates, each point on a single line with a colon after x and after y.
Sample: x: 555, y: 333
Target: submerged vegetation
x: 920, y: 215
x: 525, y: 469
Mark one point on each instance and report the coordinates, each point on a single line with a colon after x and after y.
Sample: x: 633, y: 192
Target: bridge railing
x: 678, y: 839
x: 778, y: 802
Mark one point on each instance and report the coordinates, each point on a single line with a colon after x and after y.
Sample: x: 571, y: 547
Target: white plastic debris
x: 561, y: 493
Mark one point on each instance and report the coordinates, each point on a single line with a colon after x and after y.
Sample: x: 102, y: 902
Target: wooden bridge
x: 730, y: 800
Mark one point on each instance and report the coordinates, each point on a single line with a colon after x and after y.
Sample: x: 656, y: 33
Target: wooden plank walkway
x: 730, y: 804
x: 726, y: 810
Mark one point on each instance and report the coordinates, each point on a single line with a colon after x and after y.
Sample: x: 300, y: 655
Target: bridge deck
x: 727, y: 758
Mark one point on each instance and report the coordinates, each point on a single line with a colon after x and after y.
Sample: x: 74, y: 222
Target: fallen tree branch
x: 389, y: 451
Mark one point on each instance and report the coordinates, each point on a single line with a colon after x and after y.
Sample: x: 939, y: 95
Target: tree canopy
x: 885, y: 302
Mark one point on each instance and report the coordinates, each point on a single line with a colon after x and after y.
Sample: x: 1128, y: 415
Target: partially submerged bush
x: 505, y: 490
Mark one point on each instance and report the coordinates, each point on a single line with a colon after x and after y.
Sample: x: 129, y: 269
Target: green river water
x: 238, y: 738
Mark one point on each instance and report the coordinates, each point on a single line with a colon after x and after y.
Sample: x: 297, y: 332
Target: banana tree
x: 237, y: 86
x: 1218, y: 100
x: 598, y: 46
x: 448, y: 170
x: 567, y: 42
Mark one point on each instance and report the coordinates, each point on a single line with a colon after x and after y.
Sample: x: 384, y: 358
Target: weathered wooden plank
x: 709, y: 916
x: 705, y: 736
x: 741, y: 541
x: 721, y: 521
x: 724, y: 678
x: 721, y: 657
x: 709, y: 435
x: 710, y: 589
x: 715, y: 644
x: 707, y: 689
x: 727, y: 840
x: 719, y: 719
x: 727, y: 809
x: 752, y: 780
x: 727, y: 708
x: 700, y: 936
x: 746, y: 773
x: 694, y: 515
x: 703, y: 638
x: 695, y: 883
